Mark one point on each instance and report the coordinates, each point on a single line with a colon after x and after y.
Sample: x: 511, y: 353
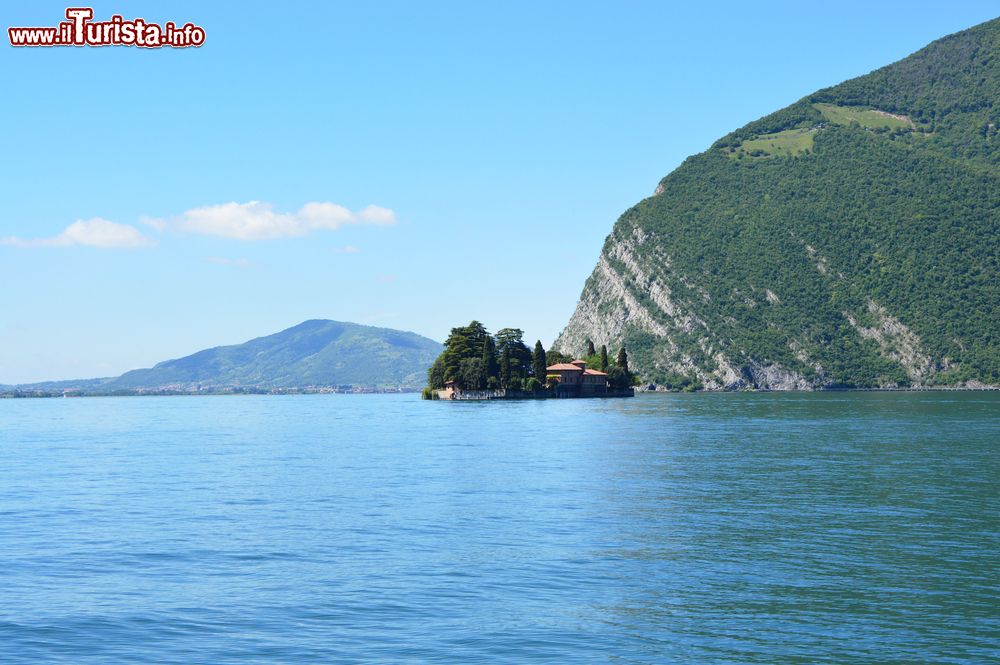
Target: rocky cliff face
x: 625, y: 301
x: 849, y: 240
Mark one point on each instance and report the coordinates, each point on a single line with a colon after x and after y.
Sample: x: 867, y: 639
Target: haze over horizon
x: 389, y: 165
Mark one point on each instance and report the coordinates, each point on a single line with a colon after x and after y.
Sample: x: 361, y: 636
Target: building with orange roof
x: 574, y: 379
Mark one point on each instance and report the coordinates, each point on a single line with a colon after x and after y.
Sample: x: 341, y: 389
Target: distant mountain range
x: 316, y: 353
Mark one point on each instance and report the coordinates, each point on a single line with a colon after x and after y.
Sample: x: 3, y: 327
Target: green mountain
x: 848, y: 240
x: 314, y: 353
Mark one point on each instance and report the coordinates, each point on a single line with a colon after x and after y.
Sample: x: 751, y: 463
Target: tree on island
x: 489, y: 366
x: 538, y: 363
x: 464, y: 342
x: 622, y: 359
x: 476, y: 360
x: 504, y: 375
x: 515, y: 358
x: 590, y: 349
x: 553, y: 357
x: 619, y: 376
x: 470, y: 374
x: 436, y: 373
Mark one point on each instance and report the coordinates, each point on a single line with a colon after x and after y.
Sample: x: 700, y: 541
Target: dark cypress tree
x: 489, y: 360
x: 604, y: 358
x: 622, y: 359
x: 504, y: 370
x: 590, y: 349
x: 538, y: 363
x: 619, y: 376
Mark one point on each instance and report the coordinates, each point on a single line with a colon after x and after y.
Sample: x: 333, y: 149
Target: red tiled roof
x: 594, y: 372
x: 562, y: 367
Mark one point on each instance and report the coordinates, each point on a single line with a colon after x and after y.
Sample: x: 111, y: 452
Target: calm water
x: 845, y: 528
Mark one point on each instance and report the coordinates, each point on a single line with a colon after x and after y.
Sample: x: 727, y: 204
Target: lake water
x: 727, y: 528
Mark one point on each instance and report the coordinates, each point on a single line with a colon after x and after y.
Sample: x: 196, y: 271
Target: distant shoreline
x: 353, y: 390
x: 408, y: 391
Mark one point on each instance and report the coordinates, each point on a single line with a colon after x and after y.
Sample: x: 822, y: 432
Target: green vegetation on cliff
x: 851, y: 239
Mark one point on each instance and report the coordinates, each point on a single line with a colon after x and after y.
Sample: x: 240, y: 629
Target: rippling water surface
x: 743, y: 528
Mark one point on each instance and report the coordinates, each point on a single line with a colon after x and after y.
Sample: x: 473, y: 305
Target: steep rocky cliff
x: 849, y: 240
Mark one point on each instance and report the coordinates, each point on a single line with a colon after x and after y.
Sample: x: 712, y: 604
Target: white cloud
x: 325, y: 216
x: 95, y: 232
x: 256, y: 220
x: 347, y: 249
x: 156, y: 224
x: 378, y: 215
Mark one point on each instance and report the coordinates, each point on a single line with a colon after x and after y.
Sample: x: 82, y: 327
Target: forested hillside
x: 848, y: 240
x: 316, y: 353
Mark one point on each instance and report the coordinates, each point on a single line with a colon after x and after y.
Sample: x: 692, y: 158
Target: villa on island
x: 475, y: 365
x: 572, y: 379
x: 575, y: 380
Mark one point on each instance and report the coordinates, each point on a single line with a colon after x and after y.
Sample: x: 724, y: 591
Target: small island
x: 476, y: 365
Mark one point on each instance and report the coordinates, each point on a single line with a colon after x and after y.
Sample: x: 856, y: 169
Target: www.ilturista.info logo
x: 80, y: 30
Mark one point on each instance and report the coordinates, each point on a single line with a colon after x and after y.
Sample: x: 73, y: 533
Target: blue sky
x: 462, y: 160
